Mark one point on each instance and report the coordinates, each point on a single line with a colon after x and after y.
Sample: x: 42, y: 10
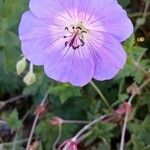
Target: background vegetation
x: 72, y: 103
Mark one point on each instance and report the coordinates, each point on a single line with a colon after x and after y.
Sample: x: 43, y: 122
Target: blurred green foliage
x: 67, y: 101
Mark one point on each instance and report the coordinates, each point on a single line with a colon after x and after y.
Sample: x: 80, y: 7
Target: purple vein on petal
x: 73, y: 7
x: 105, y: 54
x: 103, y: 44
x: 53, y: 42
x: 98, y: 39
x: 65, y: 8
x: 81, y: 64
x: 91, y: 15
x: 86, y: 11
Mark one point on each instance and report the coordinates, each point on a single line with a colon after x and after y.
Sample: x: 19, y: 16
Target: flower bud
x: 124, y: 108
x: 30, y: 78
x: 21, y: 66
x: 133, y: 89
x: 40, y: 109
x: 56, y: 121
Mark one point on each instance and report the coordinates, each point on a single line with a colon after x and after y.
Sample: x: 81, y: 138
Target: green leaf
x: 65, y: 91
x: 124, y: 3
x: 8, y: 48
x: 102, y: 132
x: 133, y: 65
x: 140, y: 132
x: 9, y: 82
x: 11, y: 11
x: 137, y: 143
x: 129, y: 43
x: 137, y: 53
x: 13, y: 120
x: 104, y: 147
x: 48, y: 133
x: 91, y: 138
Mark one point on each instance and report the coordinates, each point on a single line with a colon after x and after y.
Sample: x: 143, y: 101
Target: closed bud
x: 56, y: 121
x: 124, y: 108
x: 30, y: 78
x: 21, y: 66
x: 133, y: 89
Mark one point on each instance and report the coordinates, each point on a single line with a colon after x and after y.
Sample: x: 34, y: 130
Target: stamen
x: 75, y: 47
x: 66, y: 36
x: 76, y: 37
x: 79, y: 28
x: 66, y: 28
x: 82, y: 42
x: 66, y: 43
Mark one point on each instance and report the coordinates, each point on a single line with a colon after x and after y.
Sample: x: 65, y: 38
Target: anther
x: 83, y: 32
x: 75, y: 47
x: 66, y: 28
x: 66, y: 43
x: 82, y: 42
x: 79, y: 28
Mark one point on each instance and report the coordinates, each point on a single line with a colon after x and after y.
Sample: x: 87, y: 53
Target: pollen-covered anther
x: 76, y: 37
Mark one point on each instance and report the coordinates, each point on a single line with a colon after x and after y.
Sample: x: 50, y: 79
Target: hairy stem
x: 35, y: 121
x: 76, y: 122
x: 88, y: 126
x: 58, y: 137
x: 11, y: 100
x: 127, y: 116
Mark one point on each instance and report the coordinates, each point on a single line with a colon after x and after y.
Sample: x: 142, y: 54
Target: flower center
x: 76, y: 38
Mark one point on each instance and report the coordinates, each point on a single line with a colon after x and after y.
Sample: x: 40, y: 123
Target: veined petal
x: 75, y: 40
x: 88, y: 5
x: 68, y: 65
x: 113, y: 19
x: 31, y: 27
x: 35, y: 36
x: 34, y: 50
x: 49, y: 8
x: 109, y: 55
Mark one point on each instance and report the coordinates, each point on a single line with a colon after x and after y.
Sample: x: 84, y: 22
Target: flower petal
x: 32, y: 27
x: 68, y: 65
x: 84, y: 8
x: 89, y: 5
x: 113, y: 19
x: 34, y: 35
x: 48, y: 8
x: 109, y: 55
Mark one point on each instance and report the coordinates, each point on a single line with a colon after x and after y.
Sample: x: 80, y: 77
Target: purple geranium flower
x: 75, y: 40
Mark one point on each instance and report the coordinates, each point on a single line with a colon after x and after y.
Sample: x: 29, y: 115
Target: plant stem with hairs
x: 88, y: 126
x: 127, y: 116
x: 11, y: 100
x: 58, y: 137
x: 35, y: 121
